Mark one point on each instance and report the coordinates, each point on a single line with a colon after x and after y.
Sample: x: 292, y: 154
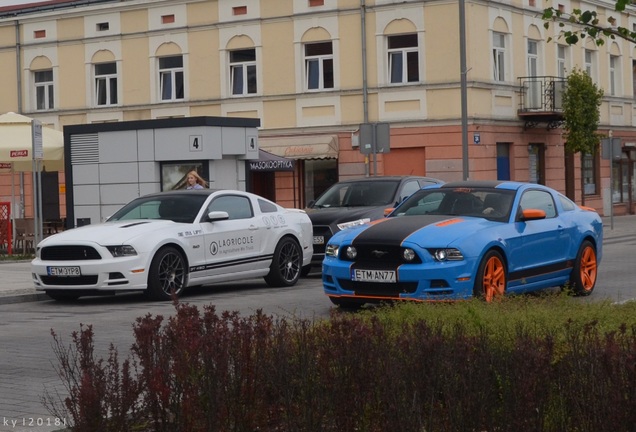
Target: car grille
x: 69, y: 253
x: 371, y: 256
x: 60, y: 280
x: 325, y: 231
x: 378, y: 289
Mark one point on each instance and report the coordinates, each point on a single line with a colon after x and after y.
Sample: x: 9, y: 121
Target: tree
x: 581, y: 102
x: 589, y: 25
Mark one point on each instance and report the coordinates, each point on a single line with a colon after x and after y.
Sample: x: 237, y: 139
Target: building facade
x: 314, y: 71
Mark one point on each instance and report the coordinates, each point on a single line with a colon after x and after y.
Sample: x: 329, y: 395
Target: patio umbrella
x: 16, y: 155
x: 16, y: 145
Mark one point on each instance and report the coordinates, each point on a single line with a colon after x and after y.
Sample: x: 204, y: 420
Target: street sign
x: 36, y: 129
x: 375, y: 138
x: 614, y: 151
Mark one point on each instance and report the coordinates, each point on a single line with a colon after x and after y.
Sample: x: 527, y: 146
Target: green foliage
x: 588, y: 25
x: 581, y: 102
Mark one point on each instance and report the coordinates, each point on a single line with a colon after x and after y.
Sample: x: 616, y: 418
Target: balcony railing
x: 541, y: 100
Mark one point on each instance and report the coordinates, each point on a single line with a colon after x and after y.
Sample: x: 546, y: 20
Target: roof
x: 388, y: 178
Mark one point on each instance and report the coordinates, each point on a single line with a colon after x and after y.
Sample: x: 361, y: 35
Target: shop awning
x: 301, y: 147
x: 270, y: 162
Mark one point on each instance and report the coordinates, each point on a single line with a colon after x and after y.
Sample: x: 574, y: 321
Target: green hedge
x: 523, y: 364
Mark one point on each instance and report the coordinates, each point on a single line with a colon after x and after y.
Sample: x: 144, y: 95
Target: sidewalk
x: 16, y: 285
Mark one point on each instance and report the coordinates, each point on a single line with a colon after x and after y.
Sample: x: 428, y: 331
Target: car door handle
x: 253, y: 228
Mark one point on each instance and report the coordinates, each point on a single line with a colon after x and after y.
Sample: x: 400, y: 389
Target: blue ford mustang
x: 466, y: 239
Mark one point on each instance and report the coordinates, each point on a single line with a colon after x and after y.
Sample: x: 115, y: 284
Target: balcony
x: 541, y: 101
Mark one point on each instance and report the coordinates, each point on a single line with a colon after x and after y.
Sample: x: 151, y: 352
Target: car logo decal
x: 214, y: 248
x: 378, y: 253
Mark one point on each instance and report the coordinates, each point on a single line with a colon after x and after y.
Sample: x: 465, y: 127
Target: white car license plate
x: 382, y: 276
x: 319, y: 239
x: 63, y: 271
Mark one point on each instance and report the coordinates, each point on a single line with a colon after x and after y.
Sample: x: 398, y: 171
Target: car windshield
x: 177, y: 208
x: 358, y: 194
x: 489, y: 203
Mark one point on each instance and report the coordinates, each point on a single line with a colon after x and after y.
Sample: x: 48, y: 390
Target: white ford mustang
x: 164, y: 242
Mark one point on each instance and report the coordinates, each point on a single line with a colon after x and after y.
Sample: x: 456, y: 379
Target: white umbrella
x: 16, y: 154
x: 16, y: 144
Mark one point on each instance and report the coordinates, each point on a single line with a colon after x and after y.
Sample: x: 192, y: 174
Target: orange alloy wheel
x: 494, y: 279
x: 588, y: 268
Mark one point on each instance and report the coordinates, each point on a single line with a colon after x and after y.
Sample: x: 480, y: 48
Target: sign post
x: 375, y: 138
x: 37, y: 156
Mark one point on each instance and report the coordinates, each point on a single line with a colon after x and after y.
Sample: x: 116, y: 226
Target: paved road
x: 27, y: 360
x: 26, y: 357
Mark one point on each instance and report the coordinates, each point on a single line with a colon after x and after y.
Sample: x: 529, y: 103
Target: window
x: 171, y: 78
x: 499, y: 56
x: 589, y: 64
x: 536, y: 163
x: 44, y: 90
x: 534, y: 86
x: 566, y: 203
x: 614, y: 75
x: 320, y: 174
x: 535, y: 199
x: 533, y: 58
x: 319, y: 66
x: 239, y: 10
x: 408, y: 189
x: 103, y: 26
x: 167, y: 19
x: 243, y: 71
x: 403, y: 59
x: 562, y: 61
x: 237, y: 207
x: 266, y: 206
x: 106, y: 84
x: 590, y: 175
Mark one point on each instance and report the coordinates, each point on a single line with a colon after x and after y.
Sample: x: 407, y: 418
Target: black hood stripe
x: 394, y: 230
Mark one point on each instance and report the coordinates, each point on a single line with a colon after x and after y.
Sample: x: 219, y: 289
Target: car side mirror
x: 532, y: 214
x: 214, y: 216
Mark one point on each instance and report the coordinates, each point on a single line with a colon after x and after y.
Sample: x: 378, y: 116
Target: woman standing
x: 195, y: 181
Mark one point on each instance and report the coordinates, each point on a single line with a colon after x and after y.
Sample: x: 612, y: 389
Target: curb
x: 23, y: 298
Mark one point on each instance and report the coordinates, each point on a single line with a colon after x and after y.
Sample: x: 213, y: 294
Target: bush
x: 526, y: 363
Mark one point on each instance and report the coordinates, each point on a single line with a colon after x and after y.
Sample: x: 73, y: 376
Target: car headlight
x: 446, y: 254
x: 345, y: 225
x: 408, y: 254
x: 121, y: 251
x: 351, y: 252
x: 331, y: 250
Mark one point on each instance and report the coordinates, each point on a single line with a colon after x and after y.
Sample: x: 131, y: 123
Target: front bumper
x: 114, y: 274
x: 428, y: 281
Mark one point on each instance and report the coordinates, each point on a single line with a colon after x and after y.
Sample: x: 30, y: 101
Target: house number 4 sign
x: 196, y: 143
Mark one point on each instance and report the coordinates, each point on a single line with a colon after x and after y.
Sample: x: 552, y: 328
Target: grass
x: 549, y: 313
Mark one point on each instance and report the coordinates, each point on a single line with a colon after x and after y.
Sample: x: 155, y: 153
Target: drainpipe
x: 464, y: 102
x: 18, y: 62
x: 365, y: 89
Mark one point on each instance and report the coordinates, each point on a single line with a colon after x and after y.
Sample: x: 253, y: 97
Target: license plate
x: 63, y: 271
x: 319, y: 239
x: 382, y: 276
